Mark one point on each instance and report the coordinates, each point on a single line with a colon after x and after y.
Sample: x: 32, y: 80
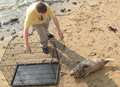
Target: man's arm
x: 56, y: 22
x: 26, y: 41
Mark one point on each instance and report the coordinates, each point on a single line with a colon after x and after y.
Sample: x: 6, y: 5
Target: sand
x: 87, y: 35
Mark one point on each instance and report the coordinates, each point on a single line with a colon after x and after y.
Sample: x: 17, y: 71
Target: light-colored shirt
x: 33, y: 17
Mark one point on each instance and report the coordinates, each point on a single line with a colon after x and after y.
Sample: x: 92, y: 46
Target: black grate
x: 36, y: 74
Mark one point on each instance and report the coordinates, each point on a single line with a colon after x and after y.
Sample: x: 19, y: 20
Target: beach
x: 91, y: 29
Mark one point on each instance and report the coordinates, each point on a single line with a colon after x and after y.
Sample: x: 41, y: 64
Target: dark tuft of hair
x: 41, y: 7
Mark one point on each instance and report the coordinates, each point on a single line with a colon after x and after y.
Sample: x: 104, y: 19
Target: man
x: 38, y: 16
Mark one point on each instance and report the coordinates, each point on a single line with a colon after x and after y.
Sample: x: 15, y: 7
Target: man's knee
x: 44, y: 43
x: 50, y: 36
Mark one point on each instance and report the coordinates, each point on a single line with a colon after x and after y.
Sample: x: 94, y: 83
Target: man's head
x: 41, y: 8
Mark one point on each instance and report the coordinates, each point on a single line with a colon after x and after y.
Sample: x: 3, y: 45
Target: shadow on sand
x: 70, y: 58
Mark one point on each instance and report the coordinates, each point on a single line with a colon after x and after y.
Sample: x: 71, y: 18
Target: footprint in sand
x: 115, y: 45
x: 8, y: 30
x: 113, y: 29
x: 13, y: 32
x: 65, y: 10
x: 110, y: 49
x: 2, y: 38
x: 92, y: 54
x: 74, y: 3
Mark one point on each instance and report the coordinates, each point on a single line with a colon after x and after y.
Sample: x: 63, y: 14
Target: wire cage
x: 14, y: 57
x: 40, y: 74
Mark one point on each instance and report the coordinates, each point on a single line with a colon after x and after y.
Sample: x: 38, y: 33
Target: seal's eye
x: 85, y: 66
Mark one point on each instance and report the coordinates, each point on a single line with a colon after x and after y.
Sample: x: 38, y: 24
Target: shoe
x: 45, y: 50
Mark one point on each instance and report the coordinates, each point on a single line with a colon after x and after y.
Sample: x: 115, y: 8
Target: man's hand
x: 61, y: 35
x: 28, y: 49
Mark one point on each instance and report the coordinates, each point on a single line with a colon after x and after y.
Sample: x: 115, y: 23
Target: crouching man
x: 38, y: 16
